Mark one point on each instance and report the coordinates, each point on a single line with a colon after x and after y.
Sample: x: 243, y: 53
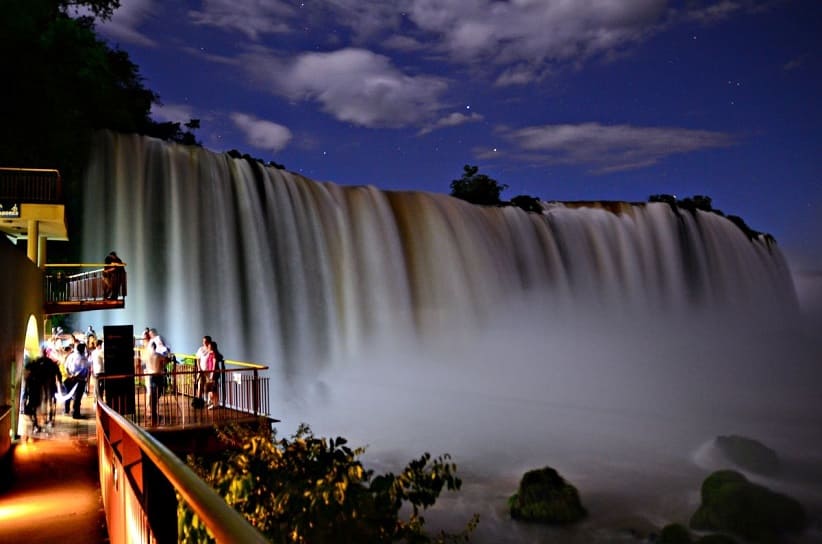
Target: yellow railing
x: 140, y: 480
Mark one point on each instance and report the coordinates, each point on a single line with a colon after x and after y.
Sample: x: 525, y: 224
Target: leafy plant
x: 477, y: 188
x: 313, y: 490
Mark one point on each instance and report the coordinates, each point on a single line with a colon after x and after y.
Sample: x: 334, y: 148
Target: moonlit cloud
x: 262, y: 134
x: 175, y: 113
x: 125, y: 23
x: 360, y: 87
x: 611, y: 148
x: 452, y: 120
x: 253, y: 18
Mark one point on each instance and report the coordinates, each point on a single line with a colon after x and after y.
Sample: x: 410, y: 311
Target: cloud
x: 610, y: 148
x: 250, y: 17
x: 124, y: 24
x: 262, y: 134
x: 175, y: 113
x: 355, y: 86
x: 530, y: 34
x: 452, y: 120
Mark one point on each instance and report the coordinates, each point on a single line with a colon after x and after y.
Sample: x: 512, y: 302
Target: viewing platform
x: 116, y: 474
x: 70, y: 288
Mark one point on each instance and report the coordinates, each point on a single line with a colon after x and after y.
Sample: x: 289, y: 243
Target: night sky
x: 559, y: 99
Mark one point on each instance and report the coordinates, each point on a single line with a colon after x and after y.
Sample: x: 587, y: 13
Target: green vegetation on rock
x: 546, y: 497
x: 732, y: 504
x: 674, y: 533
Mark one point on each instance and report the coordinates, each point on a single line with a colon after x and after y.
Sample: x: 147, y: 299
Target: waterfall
x: 293, y: 273
x: 604, y: 339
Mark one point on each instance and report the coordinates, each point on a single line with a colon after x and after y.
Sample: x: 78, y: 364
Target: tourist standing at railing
x: 217, y: 376
x: 158, y: 355
x: 77, y: 370
x: 114, y: 277
x: 205, y: 368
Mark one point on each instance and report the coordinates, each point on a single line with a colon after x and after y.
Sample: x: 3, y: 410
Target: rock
x: 716, y: 538
x: 732, y: 504
x: 674, y: 533
x: 544, y: 496
x: 749, y: 454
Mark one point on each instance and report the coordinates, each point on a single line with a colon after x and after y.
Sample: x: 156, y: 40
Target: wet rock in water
x: 675, y: 533
x: 732, y: 504
x: 544, y: 496
x: 749, y: 454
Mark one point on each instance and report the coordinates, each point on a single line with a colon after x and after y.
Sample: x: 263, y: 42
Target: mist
x: 625, y: 409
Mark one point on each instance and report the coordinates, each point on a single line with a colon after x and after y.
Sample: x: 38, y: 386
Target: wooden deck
x: 71, y: 306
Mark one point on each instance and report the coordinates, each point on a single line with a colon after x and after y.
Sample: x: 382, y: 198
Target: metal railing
x: 84, y: 282
x: 141, y: 480
x: 165, y: 400
x: 31, y: 185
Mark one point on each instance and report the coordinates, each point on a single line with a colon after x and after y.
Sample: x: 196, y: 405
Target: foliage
x: 62, y: 83
x: 733, y: 504
x: 705, y: 204
x: 546, y: 497
x: 233, y: 153
x: 527, y: 203
x: 749, y: 454
x: 313, y: 490
x: 477, y: 188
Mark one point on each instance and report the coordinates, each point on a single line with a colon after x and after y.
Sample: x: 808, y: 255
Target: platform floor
x: 54, y: 495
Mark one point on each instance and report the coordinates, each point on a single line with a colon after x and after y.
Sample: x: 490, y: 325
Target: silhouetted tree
x: 527, y: 203
x: 477, y: 188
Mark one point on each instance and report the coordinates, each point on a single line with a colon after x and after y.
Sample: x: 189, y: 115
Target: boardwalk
x: 55, y: 492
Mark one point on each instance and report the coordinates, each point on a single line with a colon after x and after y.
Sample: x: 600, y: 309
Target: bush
x: 675, y: 533
x: 544, y: 496
x: 732, y: 504
x: 315, y: 490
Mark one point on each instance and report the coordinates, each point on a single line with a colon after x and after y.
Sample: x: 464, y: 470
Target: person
x: 114, y: 277
x: 217, y: 378
x: 91, y: 338
x: 97, y: 369
x: 205, y: 368
x: 158, y: 356
x: 77, y: 369
x: 52, y: 383
x: 33, y: 391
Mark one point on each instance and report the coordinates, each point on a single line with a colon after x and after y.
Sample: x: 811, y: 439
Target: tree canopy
x: 477, y: 188
x: 62, y: 82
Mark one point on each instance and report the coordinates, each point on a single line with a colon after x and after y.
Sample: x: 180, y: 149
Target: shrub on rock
x: 732, y: 504
x: 546, y: 497
x: 716, y: 538
x: 675, y: 533
x: 748, y: 454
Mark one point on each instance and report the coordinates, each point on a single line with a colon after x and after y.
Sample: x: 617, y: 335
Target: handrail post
x: 255, y: 392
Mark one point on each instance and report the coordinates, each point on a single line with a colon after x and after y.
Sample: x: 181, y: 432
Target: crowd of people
x: 60, y: 376
x: 70, y: 366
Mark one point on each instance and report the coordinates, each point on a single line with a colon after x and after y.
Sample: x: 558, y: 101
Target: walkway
x: 55, y: 494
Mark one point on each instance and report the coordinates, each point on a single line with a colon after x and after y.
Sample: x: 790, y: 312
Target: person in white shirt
x: 77, y: 369
x: 98, y: 367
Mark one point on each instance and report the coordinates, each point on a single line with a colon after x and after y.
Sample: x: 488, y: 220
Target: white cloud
x: 250, y: 17
x: 175, y: 113
x: 532, y: 33
x: 360, y: 87
x: 124, y: 24
x: 452, y: 120
x: 610, y: 148
x: 262, y: 134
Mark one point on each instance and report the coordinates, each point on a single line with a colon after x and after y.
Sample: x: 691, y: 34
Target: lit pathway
x: 55, y: 494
